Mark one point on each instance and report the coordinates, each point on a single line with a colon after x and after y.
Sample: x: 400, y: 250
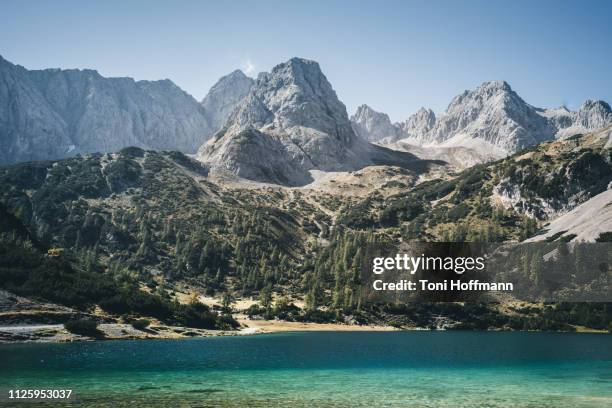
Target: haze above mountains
x: 277, y: 128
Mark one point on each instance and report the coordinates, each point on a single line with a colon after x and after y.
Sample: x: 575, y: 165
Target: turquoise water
x: 326, y: 369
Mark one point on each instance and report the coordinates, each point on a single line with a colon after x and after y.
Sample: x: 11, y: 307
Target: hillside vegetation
x: 138, y: 228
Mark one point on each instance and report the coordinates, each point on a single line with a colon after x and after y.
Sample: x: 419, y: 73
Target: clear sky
x: 393, y: 55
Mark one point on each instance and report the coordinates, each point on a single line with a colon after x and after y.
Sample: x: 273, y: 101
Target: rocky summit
x: 493, y: 115
x: 291, y: 122
x: 377, y: 127
x: 591, y: 115
x: 492, y: 120
x: 224, y: 96
x: 374, y: 126
x: 418, y: 123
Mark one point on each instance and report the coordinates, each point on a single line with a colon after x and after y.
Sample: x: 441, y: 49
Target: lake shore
x: 56, y: 333
x: 277, y: 326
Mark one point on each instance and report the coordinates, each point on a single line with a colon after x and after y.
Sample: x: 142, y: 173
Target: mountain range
x: 278, y: 128
x: 491, y: 119
x: 54, y: 113
x: 292, y: 122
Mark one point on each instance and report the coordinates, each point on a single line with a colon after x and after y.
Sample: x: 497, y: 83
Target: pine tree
x: 265, y: 297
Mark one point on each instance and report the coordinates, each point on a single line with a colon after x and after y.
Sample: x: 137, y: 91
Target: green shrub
x: 227, y: 322
x: 567, y: 238
x: 196, y: 315
x: 141, y: 324
x: 84, y: 327
x: 458, y: 212
x: 255, y: 310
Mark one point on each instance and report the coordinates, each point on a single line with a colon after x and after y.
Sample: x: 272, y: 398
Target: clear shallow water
x: 404, y: 369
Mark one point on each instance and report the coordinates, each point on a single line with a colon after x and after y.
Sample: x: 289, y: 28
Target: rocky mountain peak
x: 419, y: 123
x: 594, y: 114
x: 289, y: 123
x: 492, y: 116
x: 296, y: 94
x: 498, y: 85
x: 590, y: 104
x: 365, y: 110
x: 374, y: 126
x: 236, y: 74
x: 496, y: 93
x: 492, y: 120
x: 224, y: 96
x: 425, y: 113
x: 297, y: 70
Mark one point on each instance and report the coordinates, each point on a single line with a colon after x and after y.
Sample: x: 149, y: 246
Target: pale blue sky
x: 393, y: 55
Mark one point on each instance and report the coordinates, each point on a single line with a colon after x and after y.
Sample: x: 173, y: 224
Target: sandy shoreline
x: 277, y: 326
x: 56, y: 333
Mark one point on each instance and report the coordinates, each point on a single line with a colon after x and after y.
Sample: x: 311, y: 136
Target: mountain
x: 377, y: 127
x: 494, y: 121
x: 492, y: 116
x: 291, y: 122
x: 418, y: 123
x: 224, y: 96
x: 54, y: 113
x: 591, y: 115
x: 374, y: 126
x: 29, y: 127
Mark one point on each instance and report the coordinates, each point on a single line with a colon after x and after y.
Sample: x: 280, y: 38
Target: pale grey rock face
x: 594, y: 115
x: 493, y: 113
x: 291, y: 122
x: 52, y: 113
x: 293, y: 106
x: 258, y: 156
x: 299, y: 95
x: 107, y: 114
x: 29, y: 127
x: 560, y: 118
x: 224, y: 96
x: 374, y: 126
x: 493, y: 120
x: 419, y: 123
x: 586, y: 221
